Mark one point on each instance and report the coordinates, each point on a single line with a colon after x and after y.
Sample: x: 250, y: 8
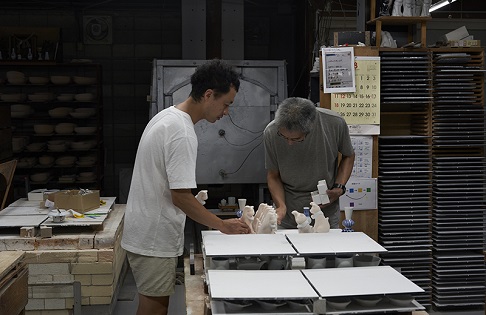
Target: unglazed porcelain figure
x: 202, y: 196
x: 321, y: 223
x: 426, y: 8
x: 248, y: 217
x: 265, y: 221
x: 302, y: 223
x: 397, y: 8
x: 408, y: 7
x: 418, y: 7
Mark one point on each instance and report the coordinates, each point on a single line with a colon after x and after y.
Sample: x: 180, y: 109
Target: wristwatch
x: 336, y: 185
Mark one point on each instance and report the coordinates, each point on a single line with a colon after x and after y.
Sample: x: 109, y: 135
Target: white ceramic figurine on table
x: 321, y: 223
x: 265, y: 221
x: 303, y: 224
x: 248, y: 216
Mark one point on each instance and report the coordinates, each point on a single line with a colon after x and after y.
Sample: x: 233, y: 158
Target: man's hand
x: 235, y: 226
x: 333, y: 195
x: 281, y: 212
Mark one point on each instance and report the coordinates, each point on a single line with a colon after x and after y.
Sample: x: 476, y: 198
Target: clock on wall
x: 97, y: 29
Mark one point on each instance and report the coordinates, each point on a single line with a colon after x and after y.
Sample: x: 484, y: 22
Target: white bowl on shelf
x: 338, y: 302
x: 368, y: 300
x: 46, y: 160
x: 15, y: 74
x: 65, y: 128
x: 59, y: 112
x: 65, y: 97
x: 39, y: 97
x: 40, y: 177
x: 400, y: 299
x: 43, y: 129
x: 85, y: 130
x: 17, y: 81
x: 65, y: 160
x: 60, y: 79
x: 84, y: 97
x: 39, y: 80
x: 236, y: 305
x: 81, y: 145
x: 13, y: 97
x: 35, y: 146
x: 84, y: 80
x: 366, y: 260
x: 269, y: 305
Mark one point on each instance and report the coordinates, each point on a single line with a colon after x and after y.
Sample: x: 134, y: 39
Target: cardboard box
x: 456, y: 34
x: 72, y: 199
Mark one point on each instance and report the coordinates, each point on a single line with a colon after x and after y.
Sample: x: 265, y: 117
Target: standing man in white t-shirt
x: 160, y: 192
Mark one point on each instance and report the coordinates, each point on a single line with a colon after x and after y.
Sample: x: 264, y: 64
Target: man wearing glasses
x: 302, y: 146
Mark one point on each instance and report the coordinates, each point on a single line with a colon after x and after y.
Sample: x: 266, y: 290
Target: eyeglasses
x: 299, y: 139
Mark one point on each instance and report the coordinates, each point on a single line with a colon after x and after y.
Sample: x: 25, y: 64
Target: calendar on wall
x: 363, y: 106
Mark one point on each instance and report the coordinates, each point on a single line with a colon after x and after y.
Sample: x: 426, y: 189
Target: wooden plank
x: 8, y: 261
x: 14, y: 296
x: 7, y: 169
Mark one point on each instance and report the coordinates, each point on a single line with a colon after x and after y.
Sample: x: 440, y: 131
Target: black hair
x: 216, y: 75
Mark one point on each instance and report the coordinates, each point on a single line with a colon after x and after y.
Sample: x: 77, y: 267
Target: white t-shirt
x: 166, y: 159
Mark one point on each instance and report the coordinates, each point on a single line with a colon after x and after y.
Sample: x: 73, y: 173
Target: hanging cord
x: 246, y: 158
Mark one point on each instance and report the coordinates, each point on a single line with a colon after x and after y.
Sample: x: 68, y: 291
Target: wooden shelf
x: 402, y: 20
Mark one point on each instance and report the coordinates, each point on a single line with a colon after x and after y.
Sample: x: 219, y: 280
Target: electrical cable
x: 231, y: 119
x: 246, y: 158
x: 242, y: 145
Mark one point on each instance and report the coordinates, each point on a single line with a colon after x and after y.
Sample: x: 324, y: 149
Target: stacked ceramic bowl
x: 84, y: 80
x: 82, y: 145
x: 83, y: 112
x: 13, y: 97
x: 60, y: 112
x: 35, y: 147
x: 40, y: 177
x: 84, y: 97
x: 40, y: 97
x: 38, y: 80
x: 85, y: 130
x: 65, y: 128
x: 16, y: 77
x: 43, y: 129
x: 86, y: 160
x: 26, y: 162
x: 66, y: 160
x: 56, y: 145
x: 65, y: 97
x: 20, y: 110
x: 60, y: 79
x: 86, y: 177
x: 46, y: 160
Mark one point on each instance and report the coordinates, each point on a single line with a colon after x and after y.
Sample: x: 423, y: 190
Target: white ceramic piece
x: 425, y: 8
x: 397, y: 8
x: 220, y: 263
x: 302, y: 223
x: 343, y: 261
x: 248, y: 216
x: 348, y: 212
x: 265, y: 221
x: 315, y: 262
x: 321, y: 223
x: 408, y: 7
x: 241, y: 204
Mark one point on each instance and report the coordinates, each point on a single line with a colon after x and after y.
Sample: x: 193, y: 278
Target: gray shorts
x: 154, y: 276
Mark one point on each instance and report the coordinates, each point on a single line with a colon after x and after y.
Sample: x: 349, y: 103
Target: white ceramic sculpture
x: 425, y: 8
x: 408, y: 7
x: 302, y: 223
x: 248, y: 217
x: 202, y: 196
x: 418, y: 7
x: 265, y: 220
x: 397, y: 8
x: 321, y: 223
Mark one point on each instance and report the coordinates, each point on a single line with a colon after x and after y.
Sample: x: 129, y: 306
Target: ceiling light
x: 440, y: 4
